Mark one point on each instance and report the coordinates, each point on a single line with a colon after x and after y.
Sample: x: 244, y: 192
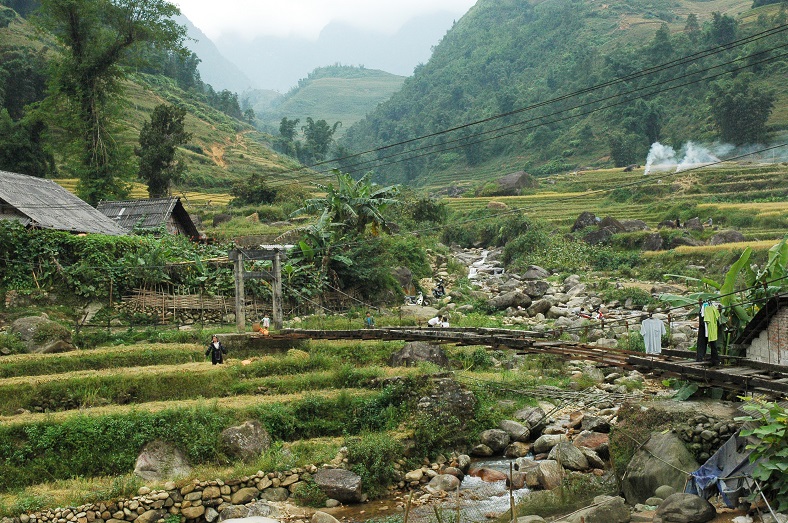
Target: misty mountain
x: 505, y: 59
x: 278, y: 63
x: 215, y: 69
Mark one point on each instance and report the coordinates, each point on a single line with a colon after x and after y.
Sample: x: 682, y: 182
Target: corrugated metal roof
x: 49, y: 206
x: 148, y: 214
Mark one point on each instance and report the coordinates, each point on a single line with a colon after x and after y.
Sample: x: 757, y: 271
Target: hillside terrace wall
x: 771, y: 345
x: 197, y: 501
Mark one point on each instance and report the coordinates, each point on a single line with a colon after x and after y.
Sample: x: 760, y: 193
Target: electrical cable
x: 643, y: 72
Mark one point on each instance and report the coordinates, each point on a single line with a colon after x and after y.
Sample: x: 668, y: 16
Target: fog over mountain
x: 215, y: 69
x: 278, y: 63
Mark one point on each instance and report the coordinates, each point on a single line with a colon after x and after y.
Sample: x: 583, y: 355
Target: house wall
x: 771, y: 346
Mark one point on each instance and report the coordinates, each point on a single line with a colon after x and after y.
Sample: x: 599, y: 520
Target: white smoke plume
x: 665, y: 158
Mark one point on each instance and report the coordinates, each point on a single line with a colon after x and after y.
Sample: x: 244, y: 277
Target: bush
x: 373, y: 456
x: 12, y: 343
x: 639, y: 297
x: 308, y: 494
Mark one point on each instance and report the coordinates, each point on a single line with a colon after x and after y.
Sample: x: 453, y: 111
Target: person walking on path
x: 216, y: 350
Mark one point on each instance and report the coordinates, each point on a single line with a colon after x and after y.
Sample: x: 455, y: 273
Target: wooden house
x: 156, y: 214
x: 38, y: 203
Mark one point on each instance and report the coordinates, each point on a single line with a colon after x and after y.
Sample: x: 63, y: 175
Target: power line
x: 643, y: 72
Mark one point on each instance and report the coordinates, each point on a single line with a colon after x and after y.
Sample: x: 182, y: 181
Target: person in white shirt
x: 434, y: 322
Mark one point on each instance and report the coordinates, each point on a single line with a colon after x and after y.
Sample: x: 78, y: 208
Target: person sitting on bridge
x: 445, y: 322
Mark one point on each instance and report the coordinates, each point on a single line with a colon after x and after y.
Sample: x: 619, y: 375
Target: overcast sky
x: 306, y: 18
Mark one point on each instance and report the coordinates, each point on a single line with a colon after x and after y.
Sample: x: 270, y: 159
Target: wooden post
x: 511, y: 492
x: 240, y: 303
x: 277, y: 312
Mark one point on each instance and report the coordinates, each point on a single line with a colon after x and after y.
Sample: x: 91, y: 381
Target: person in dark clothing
x: 216, y: 350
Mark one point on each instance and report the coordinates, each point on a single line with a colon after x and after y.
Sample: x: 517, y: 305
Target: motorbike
x: 419, y: 300
x: 439, y: 291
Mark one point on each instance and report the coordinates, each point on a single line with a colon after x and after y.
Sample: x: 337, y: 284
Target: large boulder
x: 653, y: 242
x: 510, y: 299
x: 606, y: 509
x: 447, y: 399
x: 569, y: 456
x: 533, y: 417
x: 517, y: 431
x: 615, y: 226
x: 160, y: 461
x: 661, y: 461
x: 549, y: 474
x: 634, y: 225
x: 726, y: 237
x: 340, y: 484
x: 598, y: 442
x: 546, y: 442
x: 496, y: 439
x: 535, y: 289
x: 42, y: 335
x: 600, y: 237
x: 404, y: 277
x: 246, y: 441
x: 512, y: 184
x: 684, y: 508
x: 534, y: 272
x: 257, y: 509
x: 540, y: 307
x: 586, y: 219
x: 443, y: 483
x: 419, y: 351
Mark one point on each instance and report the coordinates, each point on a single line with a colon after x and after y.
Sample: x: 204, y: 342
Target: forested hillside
x: 44, y: 136
x: 507, y: 56
x: 335, y: 93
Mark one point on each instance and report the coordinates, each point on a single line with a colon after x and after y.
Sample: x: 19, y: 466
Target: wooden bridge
x: 738, y: 374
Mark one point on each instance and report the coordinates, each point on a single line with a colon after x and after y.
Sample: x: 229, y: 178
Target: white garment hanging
x: 652, y: 330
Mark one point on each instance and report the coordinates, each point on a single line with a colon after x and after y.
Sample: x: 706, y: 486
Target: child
x: 369, y: 321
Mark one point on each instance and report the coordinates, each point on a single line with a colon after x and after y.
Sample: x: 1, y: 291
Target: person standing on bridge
x: 369, y: 321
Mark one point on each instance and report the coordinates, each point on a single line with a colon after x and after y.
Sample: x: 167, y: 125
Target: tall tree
x: 159, y: 140
x: 98, y: 38
x: 740, y: 110
x: 318, y: 137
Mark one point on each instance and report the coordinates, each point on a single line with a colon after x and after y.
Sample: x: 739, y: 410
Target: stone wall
x: 197, y: 501
x: 704, y: 435
x: 771, y: 346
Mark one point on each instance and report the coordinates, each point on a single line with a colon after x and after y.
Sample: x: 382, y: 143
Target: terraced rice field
x: 758, y: 195
x: 140, y: 192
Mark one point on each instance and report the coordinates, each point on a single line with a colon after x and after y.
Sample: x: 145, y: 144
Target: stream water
x: 478, y: 501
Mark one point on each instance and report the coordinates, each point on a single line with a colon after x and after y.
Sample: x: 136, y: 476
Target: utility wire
x: 643, y: 72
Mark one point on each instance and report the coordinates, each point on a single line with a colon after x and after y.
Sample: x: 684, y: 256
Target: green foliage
x: 253, y: 191
x: 98, y: 37
x: 741, y: 109
x: 309, y: 494
x: 771, y: 448
x: 372, y: 456
x: 12, y: 343
x: 474, y: 359
x: 639, y: 297
x: 159, y: 139
x: 22, y: 149
x: 632, y: 341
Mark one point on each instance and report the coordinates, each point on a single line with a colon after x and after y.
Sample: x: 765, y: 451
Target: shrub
x: 372, y: 456
x: 308, y: 494
x: 12, y: 343
x: 639, y: 297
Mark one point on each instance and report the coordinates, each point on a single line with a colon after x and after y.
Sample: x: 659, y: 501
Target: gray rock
x: 254, y: 519
x: 634, y: 225
x: 533, y: 417
x: 443, y: 483
x: 339, y: 484
x: 569, y: 456
x: 534, y: 272
x: 684, y: 508
x: 586, y: 219
x: 404, y: 277
x: 510, y: 299
x: 535, y: 288
x: 244, y: 495
x: 664, y: 491
x: 323, y: 517
x: 151, y: 516
x: 496, y: 439
x: 653, y: 242
x: 546, y: 442
x: 516, y: 431
x: 660, y: 462
x: 41, y: 335
x: 419, y: 351
x: 608, y: 222
x: 193, y: 512
x: 654, y: 501
x: 549, y: 474
x: 606, y: 509
x: 517, y: 449
x: 276, y: 494
x: 464, y: 462
x: 726, y: 237
x: 210, y: 515
x: 600, y: 237
x: 595, y: 423
x: 693, y: 224
x: 161, y: 461
x: 539, y: 307
x: 594, y: 461
x: 246, y: 441
x: 482, y: 450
